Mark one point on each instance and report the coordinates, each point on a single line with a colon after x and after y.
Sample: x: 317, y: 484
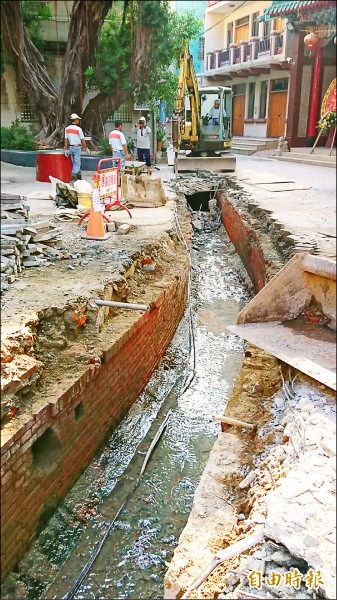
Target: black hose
x: 184, y: 387
x: 87, y: 567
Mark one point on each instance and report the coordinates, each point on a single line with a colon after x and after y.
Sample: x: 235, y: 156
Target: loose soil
x: 52, y: 328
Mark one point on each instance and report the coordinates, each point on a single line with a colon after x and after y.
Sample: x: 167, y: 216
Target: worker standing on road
x: 73, y: 140
x: 118, y: 144
x: 143, y: 143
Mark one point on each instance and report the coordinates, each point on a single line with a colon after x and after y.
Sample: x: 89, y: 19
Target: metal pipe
x: 144, y: 307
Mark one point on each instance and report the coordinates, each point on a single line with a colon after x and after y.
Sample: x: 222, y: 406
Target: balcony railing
x: 224, y: 57
x: 271, y: 45
x: 263, y: 45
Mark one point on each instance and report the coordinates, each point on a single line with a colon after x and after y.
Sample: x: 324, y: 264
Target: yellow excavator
x: 201, y: 122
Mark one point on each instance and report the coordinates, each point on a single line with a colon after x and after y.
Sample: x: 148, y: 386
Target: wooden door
x: 277, y: 114
x: 238, y: 115
x: 242, y: 33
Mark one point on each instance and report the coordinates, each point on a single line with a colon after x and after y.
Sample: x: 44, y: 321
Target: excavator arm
x: 187, y: 82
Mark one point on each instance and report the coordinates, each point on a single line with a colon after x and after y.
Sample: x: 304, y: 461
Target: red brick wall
x: 245, y: 241
x: 28, y: 496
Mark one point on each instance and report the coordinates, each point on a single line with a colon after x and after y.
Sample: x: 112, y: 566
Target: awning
x: 283, y: 8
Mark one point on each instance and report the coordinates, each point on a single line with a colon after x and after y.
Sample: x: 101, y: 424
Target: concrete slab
x: 318, y: 360
x: 207, y: 163
x: 308, y: 213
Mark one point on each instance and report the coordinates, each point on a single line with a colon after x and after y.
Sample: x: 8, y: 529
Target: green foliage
x: 130, y: 146
x: 17, y: 137
x: 33, y: 13
x: 160, y: 134
x: 104, y: 144
x: 162, y: 83
x: 112, y: 61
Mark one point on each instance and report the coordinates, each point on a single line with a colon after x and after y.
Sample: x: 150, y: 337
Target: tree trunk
x: 54, y: 108
x: 86, y: 22
x: 103, y: 105
x: 100, y: 108
x: 33, y: 77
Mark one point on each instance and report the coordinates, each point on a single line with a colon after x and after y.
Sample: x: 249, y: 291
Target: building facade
x: 257, y: 48
x: 311, y: 26
x: 252, y: 58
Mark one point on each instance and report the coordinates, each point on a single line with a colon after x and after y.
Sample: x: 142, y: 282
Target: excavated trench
x: 146, y: 517
x: 134, y: 558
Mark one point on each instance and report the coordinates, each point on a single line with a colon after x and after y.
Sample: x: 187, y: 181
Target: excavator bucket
x: 294, y: 317
x: 224, y: 163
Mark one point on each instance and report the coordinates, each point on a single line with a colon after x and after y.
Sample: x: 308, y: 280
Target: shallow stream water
x: 134, y: 558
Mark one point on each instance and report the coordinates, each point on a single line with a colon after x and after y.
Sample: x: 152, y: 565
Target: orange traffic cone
x: 95, y: 229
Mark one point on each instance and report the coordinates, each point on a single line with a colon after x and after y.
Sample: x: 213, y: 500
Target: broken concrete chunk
x: 30, y: 231
x: 49, y: 250
x: 248, y: 480
x: 32, y: 263
x: 124, y: 229
x: 197, y: 224
x: 11, y: 228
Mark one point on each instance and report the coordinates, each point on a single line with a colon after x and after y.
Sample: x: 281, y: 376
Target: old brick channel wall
x: 245, y: 240
x: 72, y: 427
x: 43, y: 459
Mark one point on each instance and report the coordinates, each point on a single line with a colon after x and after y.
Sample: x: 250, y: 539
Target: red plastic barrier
x: 54, y: 163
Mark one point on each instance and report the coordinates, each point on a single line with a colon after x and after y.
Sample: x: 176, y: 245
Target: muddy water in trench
x: 133, y: 560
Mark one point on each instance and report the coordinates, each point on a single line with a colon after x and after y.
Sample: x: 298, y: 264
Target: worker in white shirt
x: 118, y: 144
x: 73, y: 140
x: 143, y: 143
x: 214, y: 113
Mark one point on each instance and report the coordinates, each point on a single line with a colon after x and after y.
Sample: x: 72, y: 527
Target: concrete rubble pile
x: 13, y: 207
x: 26, y: 245
x: 298, y: 514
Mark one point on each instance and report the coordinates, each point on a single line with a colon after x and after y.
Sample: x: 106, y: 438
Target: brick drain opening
x: 47, y: 450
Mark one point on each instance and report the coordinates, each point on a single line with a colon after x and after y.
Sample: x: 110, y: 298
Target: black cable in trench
x: 184, y: 387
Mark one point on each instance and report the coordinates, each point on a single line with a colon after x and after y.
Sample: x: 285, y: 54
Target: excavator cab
x: 215, y: 119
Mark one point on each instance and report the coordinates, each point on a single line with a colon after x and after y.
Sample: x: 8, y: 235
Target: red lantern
x: 311, y: 40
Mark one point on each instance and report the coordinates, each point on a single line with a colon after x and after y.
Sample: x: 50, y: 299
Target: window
x: 251, y: 100
x: 255, y: 24
x: 267, y: 28
x: 279, y: 85
x: 123, y: 113
x: 263, y: 100
x: 201, y: 49
x: 242, y: 30
x: 229, y: 34
x: 27, y: 115
x: 239, y: 89
x: 242, y: 21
